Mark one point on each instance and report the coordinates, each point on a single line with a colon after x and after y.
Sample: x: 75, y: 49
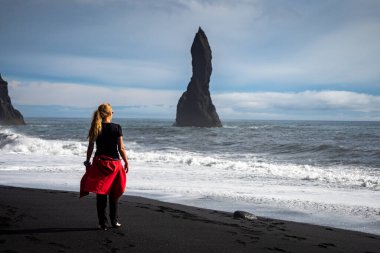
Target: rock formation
x: 244, y: 215
x: 195, y: 107
x: 8, y: 114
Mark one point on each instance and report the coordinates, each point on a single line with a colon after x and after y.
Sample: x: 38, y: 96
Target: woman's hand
x: 126, y: 168
x: 123, y: 154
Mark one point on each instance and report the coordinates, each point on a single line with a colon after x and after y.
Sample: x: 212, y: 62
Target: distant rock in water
x: 8, y: 114
x: 195, y: 107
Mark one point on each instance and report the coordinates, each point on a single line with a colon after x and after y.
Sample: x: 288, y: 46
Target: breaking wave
x: 244, y: 168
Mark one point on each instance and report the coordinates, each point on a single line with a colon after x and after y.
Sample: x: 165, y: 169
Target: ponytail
x: 96, y: 127
x: 103, y: 111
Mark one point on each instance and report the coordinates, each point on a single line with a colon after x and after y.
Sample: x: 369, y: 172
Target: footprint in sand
x: 32, y: 238
x: 326, y: 245
x: 295, y: 237
x: 277, y: 249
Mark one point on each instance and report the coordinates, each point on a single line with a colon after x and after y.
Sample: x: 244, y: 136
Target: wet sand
x: 33, y: 220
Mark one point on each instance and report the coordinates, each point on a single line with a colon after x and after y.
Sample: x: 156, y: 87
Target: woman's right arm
x: 123, y: 153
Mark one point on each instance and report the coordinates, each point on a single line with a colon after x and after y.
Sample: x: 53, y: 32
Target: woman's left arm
x: 90, y: 149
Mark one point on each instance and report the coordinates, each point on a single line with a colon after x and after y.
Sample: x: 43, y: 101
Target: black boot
x: 114, y: 213
x: 101, y: 206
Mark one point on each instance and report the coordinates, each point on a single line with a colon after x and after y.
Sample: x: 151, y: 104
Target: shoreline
x: 37, y: 220
x: 66, y: 181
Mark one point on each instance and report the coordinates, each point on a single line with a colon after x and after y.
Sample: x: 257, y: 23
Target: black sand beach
x: 33, y: 220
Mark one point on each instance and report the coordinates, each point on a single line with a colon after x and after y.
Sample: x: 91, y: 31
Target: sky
x: 272, y: 59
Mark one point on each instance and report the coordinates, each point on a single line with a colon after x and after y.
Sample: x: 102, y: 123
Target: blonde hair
x: 103, y: 112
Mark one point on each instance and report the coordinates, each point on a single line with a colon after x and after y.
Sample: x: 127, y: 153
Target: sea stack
x: 8, y: 114
x: 195, y: 107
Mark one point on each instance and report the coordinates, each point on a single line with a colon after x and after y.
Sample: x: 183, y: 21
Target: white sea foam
x: 251, y: 168
x: 247, y: 168
x: 12, y: 142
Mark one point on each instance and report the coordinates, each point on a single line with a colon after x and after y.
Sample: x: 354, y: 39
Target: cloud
x: 124, y: 72
x: 82, y: 96
x: 348, y: 55
x: 47, y: 99
x: 329, y: 105
x: 143, y: 47
x: 322, y: 105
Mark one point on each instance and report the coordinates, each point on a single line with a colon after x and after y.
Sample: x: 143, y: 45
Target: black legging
x: 101, y: 205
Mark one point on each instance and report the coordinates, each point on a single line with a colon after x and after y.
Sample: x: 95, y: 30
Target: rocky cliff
x: 8, y: 114
x: 195, y: 107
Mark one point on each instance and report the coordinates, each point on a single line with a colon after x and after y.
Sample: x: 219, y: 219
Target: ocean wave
x: 251, y: 168
x: 12, y: 142
x: 246, y: 167
x: 337, y: 149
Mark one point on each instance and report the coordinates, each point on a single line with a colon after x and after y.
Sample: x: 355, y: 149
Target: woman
x: 106, y: 175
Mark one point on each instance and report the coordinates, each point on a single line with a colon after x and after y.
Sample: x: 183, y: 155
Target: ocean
x: 319, y: 172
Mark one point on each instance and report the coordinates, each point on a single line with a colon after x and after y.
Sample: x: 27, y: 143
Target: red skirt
x: 104, y: 176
